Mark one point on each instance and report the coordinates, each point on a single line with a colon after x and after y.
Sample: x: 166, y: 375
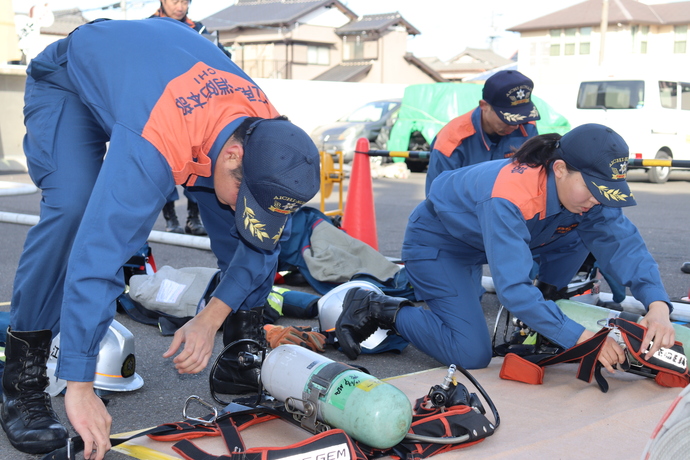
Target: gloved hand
x: 295, y: 335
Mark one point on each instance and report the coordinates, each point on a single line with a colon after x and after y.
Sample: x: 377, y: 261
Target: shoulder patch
x: 523, y: 186
x: 454, y: 133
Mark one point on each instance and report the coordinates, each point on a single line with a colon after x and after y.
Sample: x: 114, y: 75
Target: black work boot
x: 27, y: 415
x: 231, y: 377
x: 194, y: 225
x: 172, y: 225
x: 365, y: 311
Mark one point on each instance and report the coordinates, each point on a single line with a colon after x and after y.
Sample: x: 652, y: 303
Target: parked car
x: 652, y: 114
x: 426, y: 108
x: 367, y: 121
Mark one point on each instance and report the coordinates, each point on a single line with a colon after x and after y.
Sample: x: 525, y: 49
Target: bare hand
x: 198, y: 336
x: 89, y: 417
x: 660, y: 332
x: 611, y: 353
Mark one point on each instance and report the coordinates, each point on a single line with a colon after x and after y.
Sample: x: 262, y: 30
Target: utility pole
x: 603, y: 27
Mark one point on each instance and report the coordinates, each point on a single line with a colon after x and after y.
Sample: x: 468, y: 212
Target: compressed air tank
x: 371, y: 411
x: 589, y: 316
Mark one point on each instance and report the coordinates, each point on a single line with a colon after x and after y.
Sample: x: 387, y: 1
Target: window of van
x: 668, y: 94
x: 628, y: 94
x: 684, y: 96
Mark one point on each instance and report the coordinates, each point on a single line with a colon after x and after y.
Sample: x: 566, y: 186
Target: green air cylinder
x: 590, y: 315
x: 371, y: 411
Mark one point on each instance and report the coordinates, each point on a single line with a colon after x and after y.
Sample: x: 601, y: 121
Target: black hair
x: 539, y: 151
x: 241, y: 131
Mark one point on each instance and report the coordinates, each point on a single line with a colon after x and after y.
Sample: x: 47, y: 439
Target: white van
x: 652, y: 115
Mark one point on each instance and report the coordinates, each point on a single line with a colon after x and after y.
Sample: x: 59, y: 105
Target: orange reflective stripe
x: 192, y: 111
x: 454, y: 133
x: 523, y: 186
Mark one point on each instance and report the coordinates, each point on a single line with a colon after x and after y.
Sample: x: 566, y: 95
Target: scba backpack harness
x: 446, y: 419
x: 668, y: 366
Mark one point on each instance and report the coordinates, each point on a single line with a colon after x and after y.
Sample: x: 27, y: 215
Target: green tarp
x: 428, y: 107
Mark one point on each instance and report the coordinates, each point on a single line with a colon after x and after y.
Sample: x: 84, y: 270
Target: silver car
x: 373, y: 121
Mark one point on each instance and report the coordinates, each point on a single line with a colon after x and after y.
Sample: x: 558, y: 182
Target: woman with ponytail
x: 555, y: 201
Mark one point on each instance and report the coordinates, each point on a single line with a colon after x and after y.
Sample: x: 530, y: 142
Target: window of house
x: 585, y: 39
x: 668, y: 93
x: 555, y: 49
x: 680, y: 42
x: 569, y: 47
x: 644, y: 31
x: 318, y: 55
x: 639, y: 38
x: 684, y: 96
x: 353, y: 48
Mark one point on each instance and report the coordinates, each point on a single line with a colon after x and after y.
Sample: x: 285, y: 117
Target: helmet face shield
x: 330, y: 306
x: 116, y: 367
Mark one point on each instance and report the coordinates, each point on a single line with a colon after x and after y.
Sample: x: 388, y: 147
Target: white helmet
x: 115, y: 369
x: 330, y: 307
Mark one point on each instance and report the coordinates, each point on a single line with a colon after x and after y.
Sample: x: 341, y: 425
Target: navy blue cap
x: 281, y: 172
x: 601, y: 155
x: 509, y: 93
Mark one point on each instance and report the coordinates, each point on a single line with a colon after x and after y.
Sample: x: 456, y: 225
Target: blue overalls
x: 463, y: 142
x: 505, y: 215
x: 166, y: 99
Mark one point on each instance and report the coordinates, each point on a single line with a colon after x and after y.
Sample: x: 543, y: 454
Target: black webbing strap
x: 328, y: 444
x: 587, y: 354
x: 244, y: 417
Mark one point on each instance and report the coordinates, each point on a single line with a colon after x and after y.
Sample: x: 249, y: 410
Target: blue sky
x: 447, y: 26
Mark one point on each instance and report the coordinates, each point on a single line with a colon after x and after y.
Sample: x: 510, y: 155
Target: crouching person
x: 556, y: 200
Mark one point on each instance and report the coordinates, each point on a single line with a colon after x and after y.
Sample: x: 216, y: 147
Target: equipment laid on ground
x: 527, y: 352
x: 320, y: 391
x: 352, y: 414
x: 115, y: 370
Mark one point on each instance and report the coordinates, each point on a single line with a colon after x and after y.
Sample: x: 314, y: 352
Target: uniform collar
x: 553, y: 204
x: 477, y: 122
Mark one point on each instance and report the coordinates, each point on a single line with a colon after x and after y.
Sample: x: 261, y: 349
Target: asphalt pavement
x: 661, y: 216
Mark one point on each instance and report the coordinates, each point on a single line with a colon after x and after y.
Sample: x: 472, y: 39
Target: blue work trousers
x: 453, y: 330
x: 64, y: 149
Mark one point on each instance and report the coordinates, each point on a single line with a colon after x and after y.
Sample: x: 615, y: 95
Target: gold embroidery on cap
x: 611, y: 194
x: 278, y: 235
x: 519, y: 95
x: 513, y: 117
x: 619, y: 171
x: 255, y: 227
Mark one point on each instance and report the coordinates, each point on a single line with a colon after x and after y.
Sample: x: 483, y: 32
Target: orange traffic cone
x: 359, y: 218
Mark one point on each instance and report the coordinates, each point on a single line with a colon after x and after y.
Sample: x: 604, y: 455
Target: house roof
x: 482, y: 60
x: 483, y: 55
x: 674, y: 13
x: 424, y: 67
x: 65, y: 22
x: 588, y: 13
x: 268, y: 13
x: 351, y: 71
x: 376, y: 23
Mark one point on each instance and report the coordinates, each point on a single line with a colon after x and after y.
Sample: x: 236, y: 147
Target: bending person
x: 176, y: 111
x: 557, y: 199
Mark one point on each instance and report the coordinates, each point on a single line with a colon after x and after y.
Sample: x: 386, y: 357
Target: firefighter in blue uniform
x: 501, y: 123
x: 176, y: 111
x: 556, y: 200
